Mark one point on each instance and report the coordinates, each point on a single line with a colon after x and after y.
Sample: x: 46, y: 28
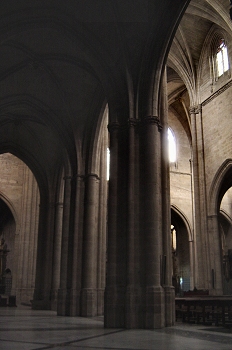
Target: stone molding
x: 152, y: 120
x: 67, y: 178
x: 133, y: 122
x: 114, y: 126
x: 217, y: 93
x: 91, y: 175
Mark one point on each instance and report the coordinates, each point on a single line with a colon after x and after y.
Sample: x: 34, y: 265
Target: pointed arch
x: 185, y: 220
x: 221, y: 183
x: 10, y: 205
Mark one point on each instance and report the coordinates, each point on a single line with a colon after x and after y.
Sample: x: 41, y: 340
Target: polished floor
x: 22, y: 329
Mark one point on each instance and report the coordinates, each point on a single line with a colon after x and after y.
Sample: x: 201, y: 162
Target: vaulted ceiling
x: 186, y: 49
x: 60, y: 61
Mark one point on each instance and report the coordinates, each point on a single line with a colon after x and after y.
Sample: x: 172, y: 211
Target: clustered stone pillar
x: 134, y: 296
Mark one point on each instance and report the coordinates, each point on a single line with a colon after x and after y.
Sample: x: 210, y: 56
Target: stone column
x: 200, y: 231
x: 133, y: 317
x: 89, y: 274
x: 77, y: 248
x: 63, y: 293
x: 152, y: 222
x: 102, y: 226
x: 56, y: 254
x: 28, y: 238
x: 114, y: 293
x: 216, y: 273
x: 166, y: 260
x: 42, y: 293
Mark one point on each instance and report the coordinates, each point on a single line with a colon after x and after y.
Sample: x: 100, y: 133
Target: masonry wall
x: 217, y: 124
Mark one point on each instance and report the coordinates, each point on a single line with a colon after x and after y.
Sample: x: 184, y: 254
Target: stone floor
x: 22, y: 329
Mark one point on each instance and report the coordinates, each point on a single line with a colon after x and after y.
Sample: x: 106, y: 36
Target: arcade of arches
x: 77, y: 78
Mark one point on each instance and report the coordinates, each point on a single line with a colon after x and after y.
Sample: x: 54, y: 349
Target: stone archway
x: 7, y: 239
x: 220, y: 185
x: 19, y: 211
x: 181, y: 253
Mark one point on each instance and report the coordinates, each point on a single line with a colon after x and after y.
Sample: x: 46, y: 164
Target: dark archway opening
x: 7, y: 241
x: 180, y: 254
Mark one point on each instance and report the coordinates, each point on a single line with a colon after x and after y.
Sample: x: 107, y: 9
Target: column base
x: 63, y: 302
x: 134, y: 311
x: 114, y: 313
x: 88, y: 302
x: 214, y: 291
x: 155, y: 308
x: 74, y: 302
x: 100, y: 302
x: 41, y: 300
x: 170, y: 310
x: 24, y: 295
x: 54, y: 296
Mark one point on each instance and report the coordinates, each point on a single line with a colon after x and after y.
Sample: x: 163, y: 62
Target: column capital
x: 79, y: 176
x: 92, y: 175
x: 151, y: 120
x: 67, y: 178
x: 113, y: 126
x: 195, y: 109
x: 133, y: 122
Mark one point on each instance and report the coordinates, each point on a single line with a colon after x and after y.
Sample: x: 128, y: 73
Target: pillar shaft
x: 133, y: 317
x: 77, y: 251
x: 62, y: 308
x: 115, y: 283
x: 152, y: 221
x: 166, y: 261
x: 56, y: 254
x: 199, y: 228
x: 216, y: 273
x: 89, y: 278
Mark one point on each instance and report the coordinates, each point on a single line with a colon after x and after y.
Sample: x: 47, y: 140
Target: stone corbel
x: 195, y: 109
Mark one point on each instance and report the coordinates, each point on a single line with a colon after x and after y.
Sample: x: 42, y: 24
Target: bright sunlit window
x: 171, y: 146
x: 222, y: 58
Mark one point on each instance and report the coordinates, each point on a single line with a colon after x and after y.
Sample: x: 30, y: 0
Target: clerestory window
x: 171, y: 146
x: 222, y: 59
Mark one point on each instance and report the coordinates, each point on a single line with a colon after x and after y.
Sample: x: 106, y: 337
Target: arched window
x: 171, y: 146
x: 222, y: 61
